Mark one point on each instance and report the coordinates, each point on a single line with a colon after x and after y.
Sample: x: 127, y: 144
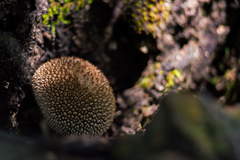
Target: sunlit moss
x: 171, y: 76
x: 158, y: 65
x: 58, y: 11
x: 154, y: 70
x: 161, y: 72
x: 170, y: 79
x: 149, y: 15
x: 147, y: 82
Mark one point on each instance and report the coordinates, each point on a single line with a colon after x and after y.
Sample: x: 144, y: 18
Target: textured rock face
x: 74, y: 96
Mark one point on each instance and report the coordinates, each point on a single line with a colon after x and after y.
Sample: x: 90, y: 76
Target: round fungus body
x: 74, y: 96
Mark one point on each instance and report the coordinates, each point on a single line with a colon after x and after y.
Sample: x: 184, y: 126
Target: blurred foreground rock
x: 184, y: 128
x: 22, y: 148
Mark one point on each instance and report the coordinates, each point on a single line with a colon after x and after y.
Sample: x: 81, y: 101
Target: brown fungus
x: 74, y: 96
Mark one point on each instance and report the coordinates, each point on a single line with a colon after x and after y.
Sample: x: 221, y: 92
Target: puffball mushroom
x: 74, y: 97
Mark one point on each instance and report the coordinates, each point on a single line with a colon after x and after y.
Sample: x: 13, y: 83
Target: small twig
x: 108, y: 31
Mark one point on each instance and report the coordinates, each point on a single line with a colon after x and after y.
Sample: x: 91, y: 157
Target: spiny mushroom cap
x: 74, y: 96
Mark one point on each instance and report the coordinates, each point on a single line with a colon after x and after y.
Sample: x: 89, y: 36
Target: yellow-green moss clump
x: 74, y: 96
x: 150, y: 15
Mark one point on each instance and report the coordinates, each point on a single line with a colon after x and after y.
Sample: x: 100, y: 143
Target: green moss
x: 215, y: 80
x: 149, y: 14
x: 170, y: 80
x: 146, y: 82
x: 58, y: 11
x: 177, y: 73
x: 170, y: 77
x: 154, y: 70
